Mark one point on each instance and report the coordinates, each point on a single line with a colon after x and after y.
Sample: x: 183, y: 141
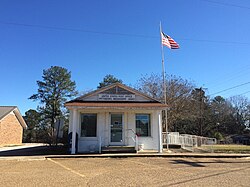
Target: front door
x: 116, y: 129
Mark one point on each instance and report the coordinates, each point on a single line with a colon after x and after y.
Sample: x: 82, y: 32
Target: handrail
x: 135, y: 138
x: 187, y: 140
x: 132, y: 131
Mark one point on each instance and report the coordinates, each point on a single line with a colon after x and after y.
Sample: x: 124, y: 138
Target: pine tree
x: 107, y: 80
x: 53, y: 91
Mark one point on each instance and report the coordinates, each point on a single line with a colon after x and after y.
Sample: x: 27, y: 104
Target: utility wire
x: 227, y: 4
x: 231, y: 88
x: 74, y: 29
x: 217, y: 41
x: 231, y: 76
x: 244, y: 93
x: 113, y: 33
x: 241, y: 93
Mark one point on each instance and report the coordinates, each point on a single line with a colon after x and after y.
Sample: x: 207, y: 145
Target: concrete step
x: 118, y: 149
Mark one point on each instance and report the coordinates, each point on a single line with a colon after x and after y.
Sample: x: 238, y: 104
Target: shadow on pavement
x: 189, y: 163
x: 36, y: 151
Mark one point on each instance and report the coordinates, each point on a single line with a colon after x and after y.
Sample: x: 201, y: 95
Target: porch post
x: 74, y: 124
x: 160, y: 134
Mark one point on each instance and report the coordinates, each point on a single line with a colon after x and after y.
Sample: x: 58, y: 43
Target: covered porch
x: 116, y: 115
x: 96, y: 128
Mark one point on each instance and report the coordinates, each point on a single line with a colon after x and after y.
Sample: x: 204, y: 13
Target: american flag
x: 168, y: 41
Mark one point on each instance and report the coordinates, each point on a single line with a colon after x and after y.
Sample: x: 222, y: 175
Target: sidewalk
x: 151, y: 154
x: 42, y: 152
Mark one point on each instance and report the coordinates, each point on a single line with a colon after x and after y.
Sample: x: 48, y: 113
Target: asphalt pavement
x: 32, y: 149
x: 141, y: 171
x: 42, y: 165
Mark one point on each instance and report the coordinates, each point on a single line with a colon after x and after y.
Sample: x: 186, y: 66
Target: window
x: 88, y: 125
x: 143, y: 124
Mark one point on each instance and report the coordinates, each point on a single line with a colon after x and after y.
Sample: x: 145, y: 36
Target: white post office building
x: 115, y: 116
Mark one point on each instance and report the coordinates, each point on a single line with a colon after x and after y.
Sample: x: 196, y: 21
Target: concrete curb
x: 126, y: 155
x: 23, y: 158
x: 129, y: 155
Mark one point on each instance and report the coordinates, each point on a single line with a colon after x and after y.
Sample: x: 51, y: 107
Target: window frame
x: 149, y: 125
x: 96, y: 133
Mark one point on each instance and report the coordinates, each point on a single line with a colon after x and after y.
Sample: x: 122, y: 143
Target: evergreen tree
x: 53, y: 91
x: 32, y: 119
x: 107, y: 80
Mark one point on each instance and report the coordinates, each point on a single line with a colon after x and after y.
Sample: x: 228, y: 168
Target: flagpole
x: 164, y: 84
x: 163, y: 68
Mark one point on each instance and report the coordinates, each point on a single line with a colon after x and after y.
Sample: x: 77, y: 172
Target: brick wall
x: 11, y: 131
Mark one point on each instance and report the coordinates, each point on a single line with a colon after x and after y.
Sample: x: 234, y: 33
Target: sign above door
x: 116, y: 97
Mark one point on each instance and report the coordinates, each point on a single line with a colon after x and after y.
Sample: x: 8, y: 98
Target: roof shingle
x: 4, y: 110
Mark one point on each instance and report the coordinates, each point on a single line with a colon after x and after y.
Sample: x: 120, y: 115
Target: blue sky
x: 122, y: 38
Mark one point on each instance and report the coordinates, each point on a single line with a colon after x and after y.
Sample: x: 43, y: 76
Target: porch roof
x: 120, y: 105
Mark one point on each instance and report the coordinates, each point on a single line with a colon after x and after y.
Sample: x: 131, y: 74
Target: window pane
x: 116, y: 128
x: 143, y: 125
x: 88, y: 125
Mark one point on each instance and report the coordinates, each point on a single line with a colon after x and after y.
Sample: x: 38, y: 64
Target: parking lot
x: 126, y: 172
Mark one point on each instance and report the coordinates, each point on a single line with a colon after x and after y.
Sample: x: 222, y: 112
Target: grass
x: 233, y: 148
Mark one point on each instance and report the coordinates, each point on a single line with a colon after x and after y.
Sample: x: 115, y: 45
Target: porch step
x: 118, y: 149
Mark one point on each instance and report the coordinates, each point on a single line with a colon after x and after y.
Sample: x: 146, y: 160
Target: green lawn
x: 227, y: 148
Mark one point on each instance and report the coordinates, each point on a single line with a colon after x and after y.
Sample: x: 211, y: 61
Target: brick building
x: 11, y: 126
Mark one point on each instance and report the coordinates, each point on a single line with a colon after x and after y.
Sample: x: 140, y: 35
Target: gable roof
x: 115, y: 95
x: 109, y: 87
x: 5, y: 110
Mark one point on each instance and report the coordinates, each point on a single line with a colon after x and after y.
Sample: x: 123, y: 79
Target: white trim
x: 159, y: 134
x: 118, y: 108
x: 74, y: 125
x: 136, y: 92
